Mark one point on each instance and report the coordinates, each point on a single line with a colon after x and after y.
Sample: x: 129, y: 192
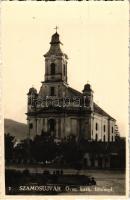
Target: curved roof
x: 32, y: 90
x: 55, y: 48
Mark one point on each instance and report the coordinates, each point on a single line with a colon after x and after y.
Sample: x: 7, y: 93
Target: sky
x: 95, y: 38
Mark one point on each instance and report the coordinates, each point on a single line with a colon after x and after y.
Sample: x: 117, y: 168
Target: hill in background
x: 17, y: 129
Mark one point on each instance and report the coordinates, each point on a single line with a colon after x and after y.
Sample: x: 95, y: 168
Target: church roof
x: 55, y: 39
x: 74, y: 92
x: 100, y: 111
x: 97, y: 109
x: 87, y: 87
x: 55, y: 48
x: 32, y: 90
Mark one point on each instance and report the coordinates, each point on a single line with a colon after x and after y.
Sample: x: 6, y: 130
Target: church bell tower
x: 55, y: 61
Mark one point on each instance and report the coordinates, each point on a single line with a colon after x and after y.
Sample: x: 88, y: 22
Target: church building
x: 61, y: 110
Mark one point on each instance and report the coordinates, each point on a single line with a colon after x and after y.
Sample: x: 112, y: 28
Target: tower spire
x: 55, y: 40
x: 56, y: 28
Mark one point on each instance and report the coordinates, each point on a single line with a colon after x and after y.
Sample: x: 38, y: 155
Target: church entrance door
x: 52, y: 126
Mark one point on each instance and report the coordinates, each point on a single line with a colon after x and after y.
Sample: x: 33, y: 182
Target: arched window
x: 53, y: 68
x: 104, y: 138
x: 104, y: 128
x: 96, y: 126
x: 30, y: 126
x: 96, y: 137
x: 112, y: 129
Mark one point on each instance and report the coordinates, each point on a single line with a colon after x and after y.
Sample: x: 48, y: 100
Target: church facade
x: 61, y: 110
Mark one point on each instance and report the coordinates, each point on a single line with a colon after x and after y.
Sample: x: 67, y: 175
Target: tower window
x: 53, y: 68
x: 96, y: 126
x: 112, y: 139
x: 104, y: 128
x: 52, y: 91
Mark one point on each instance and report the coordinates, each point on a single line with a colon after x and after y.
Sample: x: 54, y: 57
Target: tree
x: 71, y: 151
x: 23, y: 150
x: 9, y: 142
x: 43, y: 147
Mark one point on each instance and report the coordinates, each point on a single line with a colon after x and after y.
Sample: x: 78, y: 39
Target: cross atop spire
x: 56, y: 28
x: 55, y: 38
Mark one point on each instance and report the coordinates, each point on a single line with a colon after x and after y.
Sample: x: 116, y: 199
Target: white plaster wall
x: 101, y: 121
x: 97, y: 119
x: 105, y: 133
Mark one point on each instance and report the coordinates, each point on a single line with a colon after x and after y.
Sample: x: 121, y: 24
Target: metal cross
x: 56, y: 28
